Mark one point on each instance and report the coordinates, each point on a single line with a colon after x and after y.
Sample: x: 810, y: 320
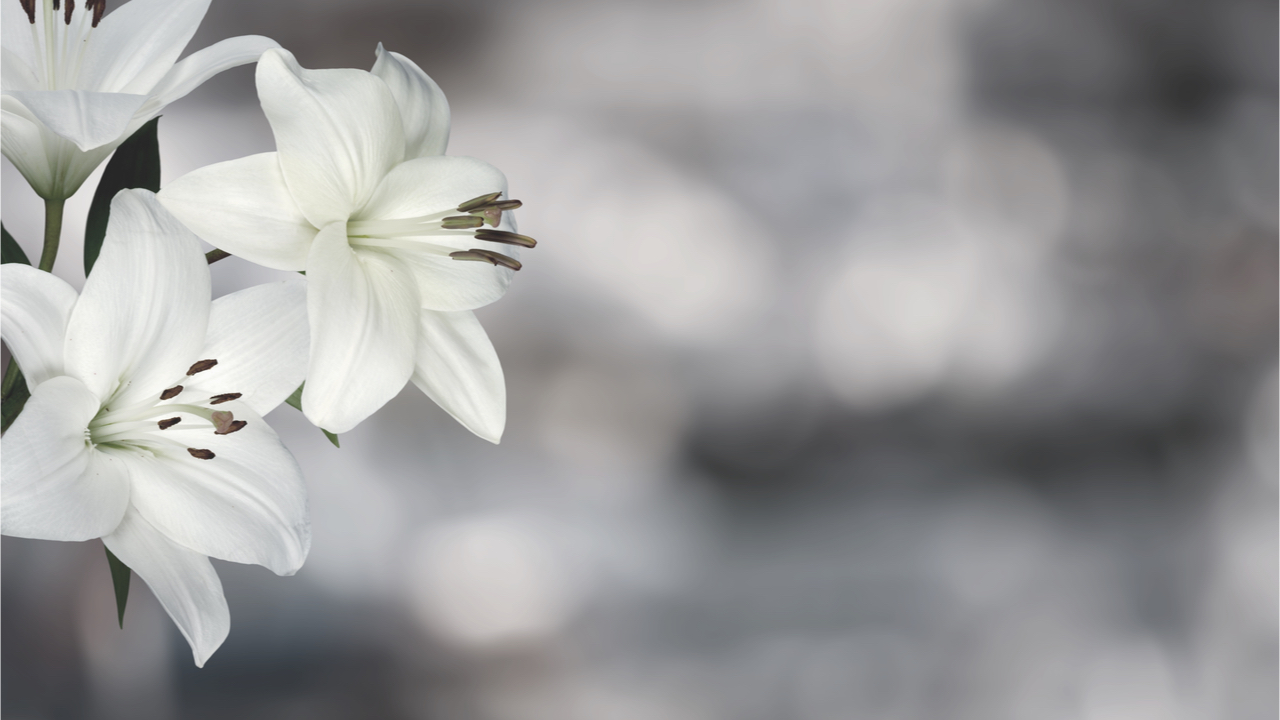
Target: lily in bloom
x: 399, y: 243
x: 76, y: 84
x: 144, y: 426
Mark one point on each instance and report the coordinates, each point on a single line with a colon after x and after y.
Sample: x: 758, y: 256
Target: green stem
x: 10, y: 378
x: 52, y: 233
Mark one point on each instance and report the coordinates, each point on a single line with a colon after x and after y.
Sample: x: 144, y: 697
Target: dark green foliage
x: 136, y: 164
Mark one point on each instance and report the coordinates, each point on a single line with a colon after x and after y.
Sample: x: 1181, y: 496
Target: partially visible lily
x: 144, y: 426
x: 399, y: 242
x: 76, y: 84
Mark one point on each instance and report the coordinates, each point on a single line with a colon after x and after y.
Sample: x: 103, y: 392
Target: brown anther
x: 461, y: 222
x: 99, y: 7
x: 224, y: 397
x: 235, y: 426
x: 201, y: 454
x: 488, y: 214
x: 479, y: 202
x: 507, y: 238
x: 169, y: 422
x: 66, y: 17
x: 55, y: 5
x: 201, y: 366
x: 226, y: 423
x: 493, y: 258
x: 508, y: 204
x: 30, y: 7
x: 171, y: 392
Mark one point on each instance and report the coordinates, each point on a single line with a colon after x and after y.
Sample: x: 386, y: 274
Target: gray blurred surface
x: 885, y: 359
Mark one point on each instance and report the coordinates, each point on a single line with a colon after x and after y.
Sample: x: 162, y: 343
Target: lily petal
x: 363, y: 310
x: 87, y: 119
x: 458, y: 368
x: 248, y: 504
x: 34, y: 309
x: 260, y: 338
x: 181, y: 579
x: 144, y: 310
x: 434, y: 184
x: 15, y: 36
x: 199, y: 66
x: 22, y: 142
x: 54, y: 167
x: 136, y: 44
x: 54, y: 486
x: 15, y: 73
x: 337, y: 131
x: 424, y: 111
x: 244, y: 207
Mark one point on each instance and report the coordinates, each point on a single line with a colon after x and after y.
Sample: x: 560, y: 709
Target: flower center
x: 414, y: 233
x: 60, y: 38
x: 140, y: 427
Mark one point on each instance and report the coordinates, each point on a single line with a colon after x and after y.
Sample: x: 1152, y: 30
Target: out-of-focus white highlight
x: 488, y: 583
x: 923, y: 301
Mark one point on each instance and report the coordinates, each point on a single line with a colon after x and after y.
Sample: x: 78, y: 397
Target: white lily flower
x: 144, y: 425
x: 359, y: 197
x: 76, y: 84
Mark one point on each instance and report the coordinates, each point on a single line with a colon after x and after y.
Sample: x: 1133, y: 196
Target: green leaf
x: 296, y: 401
x: 136, y: 164
x: 296, y: 398
x: 15, y: 395
x: 10, y: 250
x: 120, y: 576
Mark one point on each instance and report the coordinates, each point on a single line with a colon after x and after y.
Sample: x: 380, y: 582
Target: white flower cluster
x: 144, y: 423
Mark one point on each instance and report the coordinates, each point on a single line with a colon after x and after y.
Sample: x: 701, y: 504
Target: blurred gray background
x: 880, y: 359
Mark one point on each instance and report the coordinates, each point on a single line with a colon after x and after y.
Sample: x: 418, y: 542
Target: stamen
x: 30, y: 7
x: 479, y: 202
x: 224, y: 397
x: 98, y: 7
x: 489, y: 214
x: 169, y: 422
x: 201, y: 454
x: 461, y: 222
x: 226, y: 423
x: 493, y: 258
x: 201, y: 366
x: 172, y: 392
x: 508, y: 238
x: 66, y: 17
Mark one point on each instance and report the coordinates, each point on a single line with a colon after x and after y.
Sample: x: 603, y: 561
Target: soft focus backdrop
x: 881, y: 359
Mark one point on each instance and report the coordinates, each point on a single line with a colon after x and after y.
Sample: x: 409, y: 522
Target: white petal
x: 16, y: 38
x: 424, y: 112
x: 337, y: 131
x: 199, y: 66
x: 363, y: 310
x: 21, y: 141
x: 260, y: 339
x: 458, y: 368
x: 15, y: 73
x: 248, y: 504
x: 181, y: 579
x: 244, y: 207
x: 430, y: 185
x: 142, y: 316
x: 34, y: 309
x: 136, y: 44
x: 87, y: 119
x: 53, y: 165
x: 55, y: 487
